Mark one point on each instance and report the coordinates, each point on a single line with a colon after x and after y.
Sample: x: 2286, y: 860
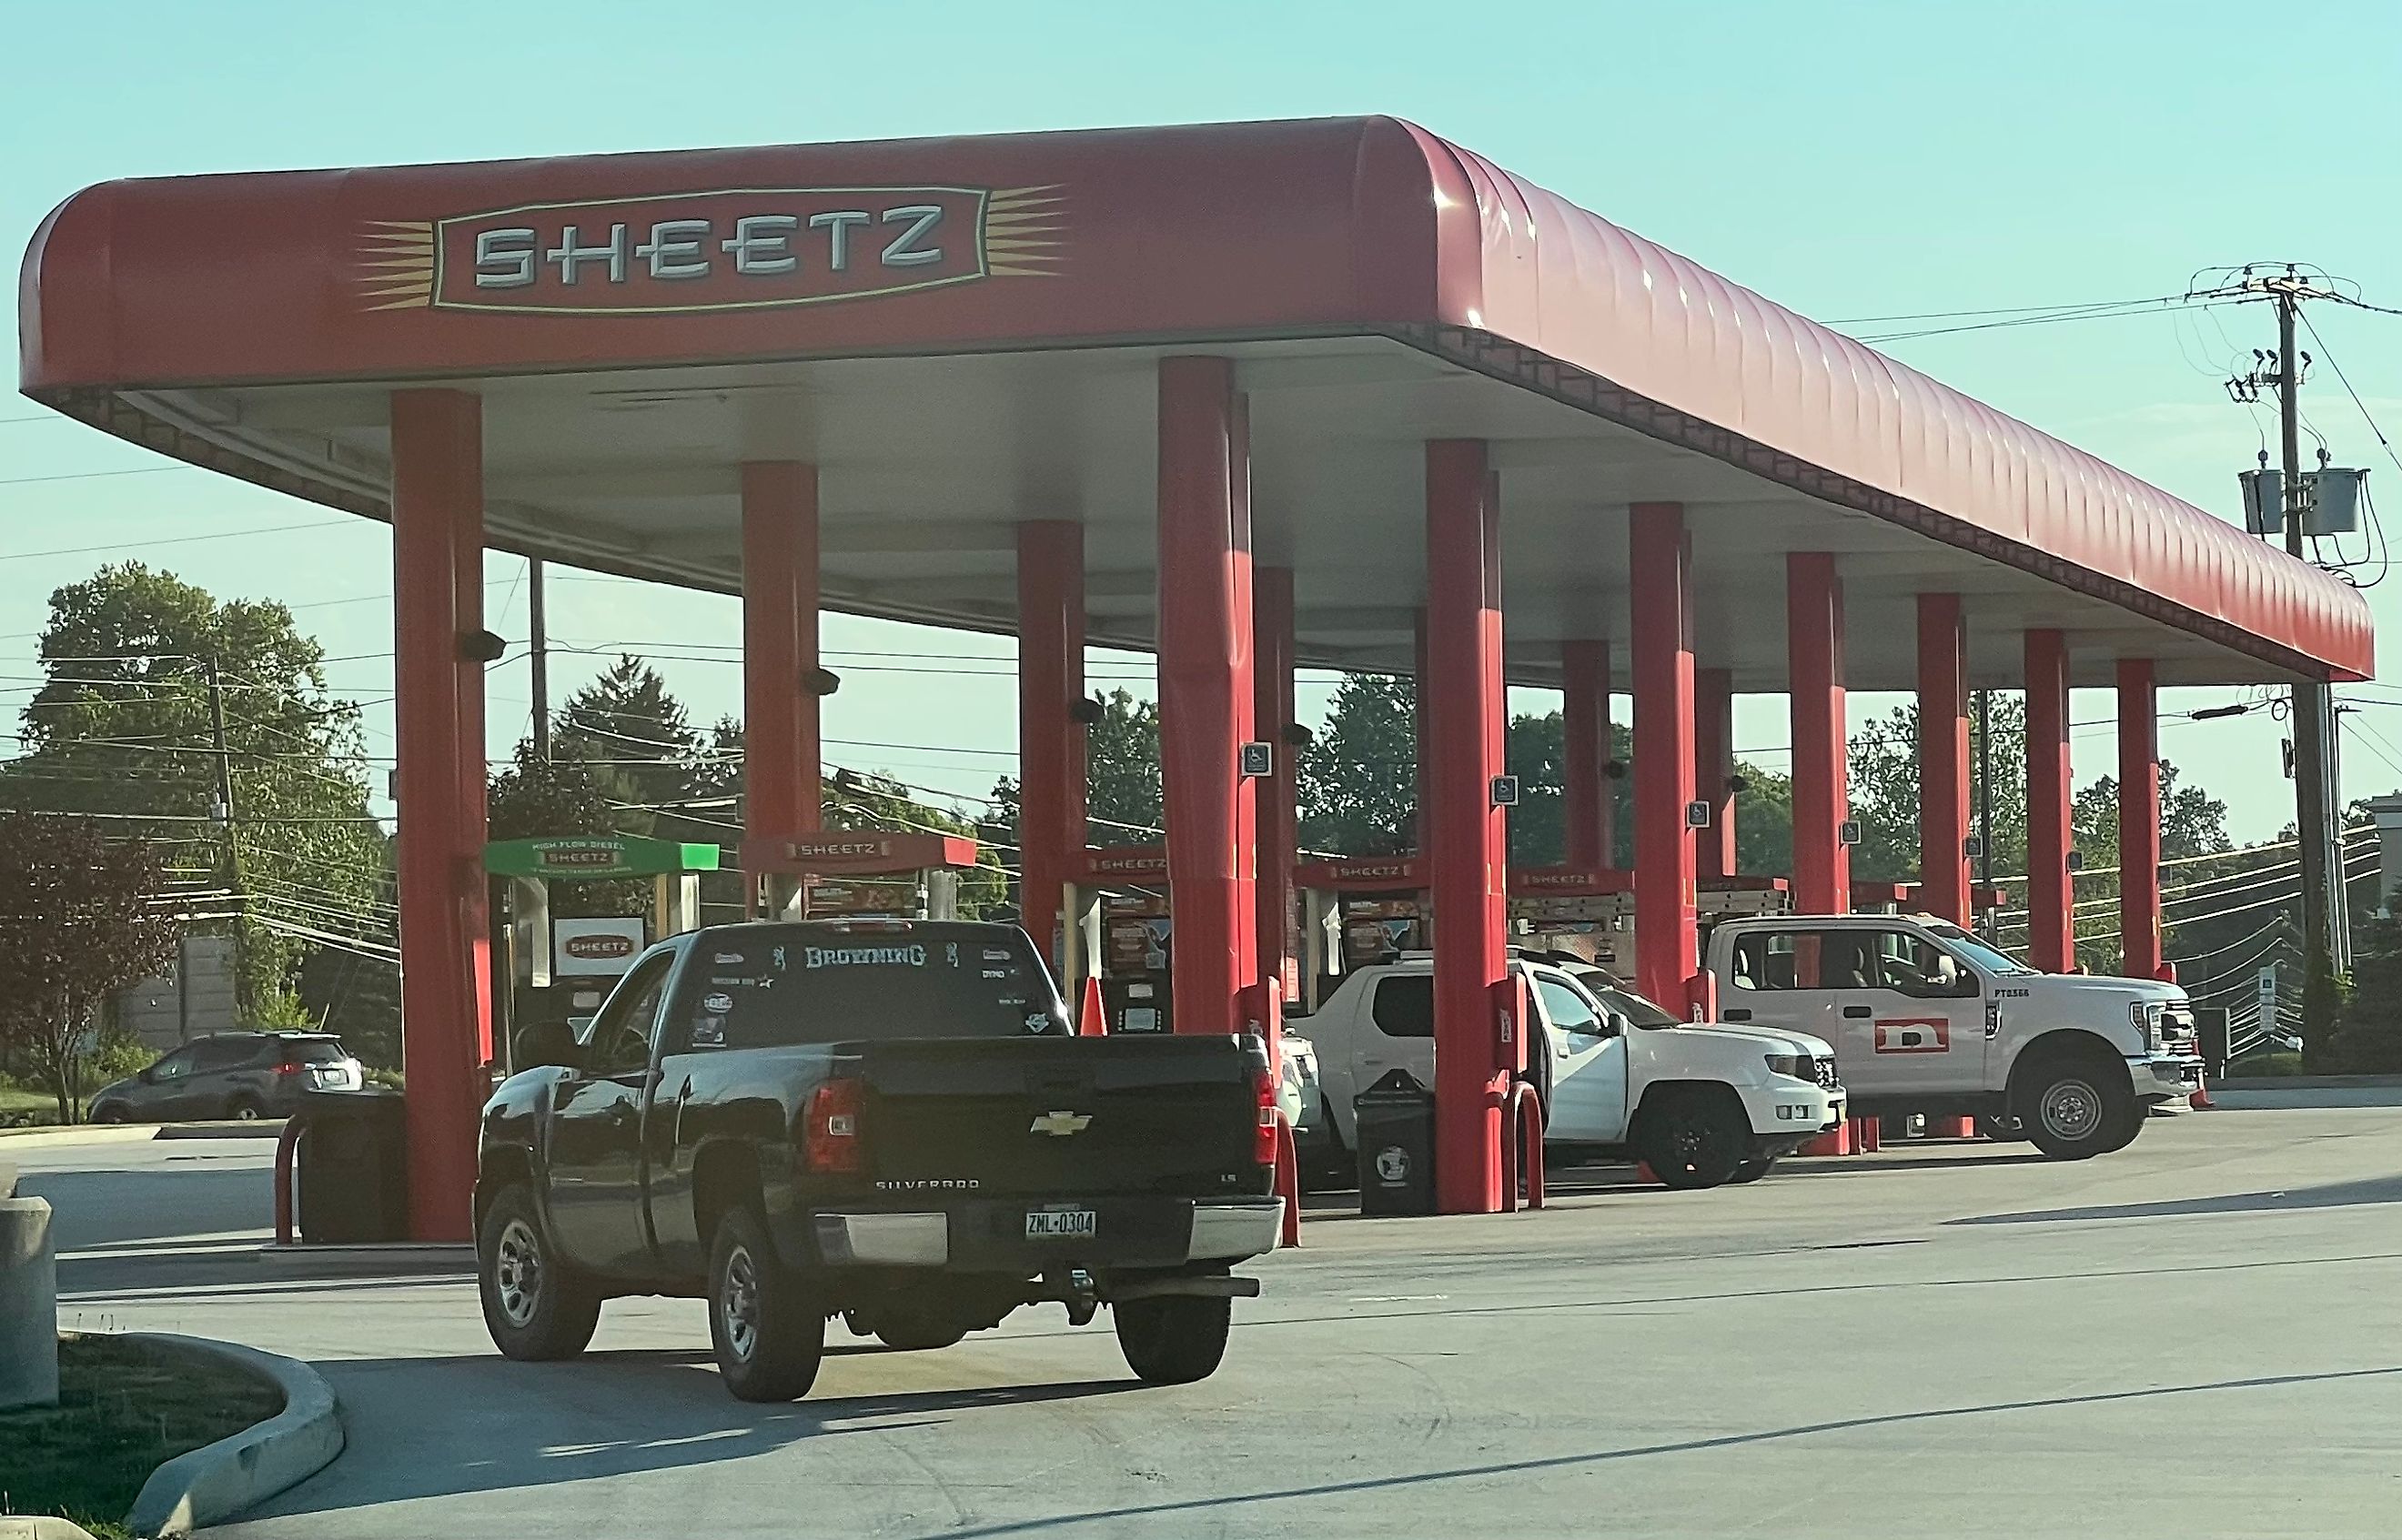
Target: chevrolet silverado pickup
x: 891, y: 1121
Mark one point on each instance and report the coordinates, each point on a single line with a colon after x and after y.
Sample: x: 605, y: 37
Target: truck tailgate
x: 1061, y: 1116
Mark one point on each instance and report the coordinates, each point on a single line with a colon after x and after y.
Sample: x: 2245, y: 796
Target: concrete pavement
x: 2199, y: 1336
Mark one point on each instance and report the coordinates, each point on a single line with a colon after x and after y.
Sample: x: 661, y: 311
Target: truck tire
x: 1175, y: 1339
x: 1697, y: 1137
x: 2074, y: 1106
x: 536, y: 1307
x: 766, y: 1326
x: 1751, y: 1171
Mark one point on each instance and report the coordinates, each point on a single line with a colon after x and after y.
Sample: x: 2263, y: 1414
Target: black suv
x: 233, y: 1075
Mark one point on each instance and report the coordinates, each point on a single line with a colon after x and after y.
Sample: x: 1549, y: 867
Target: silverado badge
x: 1060, y: 1125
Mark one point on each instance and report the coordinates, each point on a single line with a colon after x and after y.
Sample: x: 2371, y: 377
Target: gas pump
x: 864, y: 871
x: 1592, y: 914
x: 558, y: 970
x: 1125, y: 934
x: 1357, y: 911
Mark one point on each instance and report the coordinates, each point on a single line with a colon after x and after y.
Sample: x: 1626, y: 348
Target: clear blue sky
x: 1848, y: 159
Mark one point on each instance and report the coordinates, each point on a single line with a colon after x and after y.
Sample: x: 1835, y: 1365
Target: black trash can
x: 2210, y: 1031
x: 353, y: 1167
x: 1394, y: 1128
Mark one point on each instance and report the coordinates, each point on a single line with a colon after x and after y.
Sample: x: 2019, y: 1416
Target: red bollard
x: 286, y: 1143
x: 1837, y: 1141
x: 1868, y: 1133
x: 1288, y: 1183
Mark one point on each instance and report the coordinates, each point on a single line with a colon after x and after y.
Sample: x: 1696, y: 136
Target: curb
x: 42, y: 1528
x: 91, y: 1133
x: 2310, y: 1082
x: 370, y: 1259
x: 256, y: 1128
x: 218, y: 1480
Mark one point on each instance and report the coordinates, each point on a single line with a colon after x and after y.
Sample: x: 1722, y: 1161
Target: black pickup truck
x: 888, y: 1120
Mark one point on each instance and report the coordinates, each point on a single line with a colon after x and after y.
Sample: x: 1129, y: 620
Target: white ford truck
x: 1925, y: 1017
x: 1617, y: 1074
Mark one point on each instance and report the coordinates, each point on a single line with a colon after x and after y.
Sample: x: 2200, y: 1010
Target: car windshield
x: 805, y: 983
x: 1977, y: 951
x: 1615, y: 996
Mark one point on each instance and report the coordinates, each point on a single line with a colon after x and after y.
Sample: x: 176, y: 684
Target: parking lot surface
x: 2199, y: 1336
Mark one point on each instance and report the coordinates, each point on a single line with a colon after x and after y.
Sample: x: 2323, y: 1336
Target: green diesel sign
x: 596, y: 856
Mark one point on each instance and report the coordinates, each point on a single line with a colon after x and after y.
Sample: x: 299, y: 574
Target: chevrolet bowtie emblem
x: 1060, y: 1125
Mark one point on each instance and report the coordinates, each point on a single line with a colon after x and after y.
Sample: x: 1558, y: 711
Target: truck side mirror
x: 1615, y: 1025
x: 547, y: 1044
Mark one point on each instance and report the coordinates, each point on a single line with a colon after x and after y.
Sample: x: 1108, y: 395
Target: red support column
x: 1584, y: 713
x: 1051, y: 834
x: 1666, y: 936
x: 1466, y: 849
x: 781, y: 793
x: 1205, y: 690
x: 2051, y: 929
x: 437, y: 486
x: 1942, y: 758
x: 476, y: 917
x: 1814, y: 620
x: 2139, y: 820
x: 1272, y: 712
x: 1714, y: 768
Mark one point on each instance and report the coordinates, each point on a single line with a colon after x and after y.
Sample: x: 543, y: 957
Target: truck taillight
x: 832, y: 1127
x: 1264, y: 1140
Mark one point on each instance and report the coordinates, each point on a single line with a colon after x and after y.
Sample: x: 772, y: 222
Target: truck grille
x: 1827, y: 1078
x: 2176, y: 1026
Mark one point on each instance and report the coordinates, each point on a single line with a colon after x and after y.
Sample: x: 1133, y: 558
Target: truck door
x: 1588, y: 1103
x: 1400, y: 1030
x: 1773, y: 977
x: 595, y: 1130
x: 1912, y: 1015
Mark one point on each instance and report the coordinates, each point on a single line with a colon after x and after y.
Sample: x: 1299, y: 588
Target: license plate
x: 1061, y: 1224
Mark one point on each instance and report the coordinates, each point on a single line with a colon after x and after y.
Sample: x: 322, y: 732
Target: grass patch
x: 21, y: 1109
x: 124, y: 1408
x: 2264, y: 1067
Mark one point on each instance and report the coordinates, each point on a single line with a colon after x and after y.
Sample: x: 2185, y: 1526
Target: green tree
x: 634, y: 737
x: 80, y: 919
x: 1359, y: 777
x: 122, y: 726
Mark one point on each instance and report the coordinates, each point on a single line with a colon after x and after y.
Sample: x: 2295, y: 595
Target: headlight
x: 2147, y: 1016
x: 1798, y: 1065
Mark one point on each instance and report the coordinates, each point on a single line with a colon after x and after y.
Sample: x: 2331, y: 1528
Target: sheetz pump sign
x: 733, y: 249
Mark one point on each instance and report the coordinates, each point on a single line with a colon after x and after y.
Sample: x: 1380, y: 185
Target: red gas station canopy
x: 945, y: 327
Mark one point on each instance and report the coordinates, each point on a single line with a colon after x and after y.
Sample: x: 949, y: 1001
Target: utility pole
x: 222, y: 814
x: 2326, y: 927
x: 539, y: 657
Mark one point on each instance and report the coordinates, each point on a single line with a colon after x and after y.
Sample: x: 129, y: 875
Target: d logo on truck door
x: 1914, y: 1034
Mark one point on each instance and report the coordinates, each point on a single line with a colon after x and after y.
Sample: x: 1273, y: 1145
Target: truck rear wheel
x: 2075, y: 1105
x: 1175, y: 1339
x: 766, y: 1326
x: 535, y: 1306
x: 1695, y: 1138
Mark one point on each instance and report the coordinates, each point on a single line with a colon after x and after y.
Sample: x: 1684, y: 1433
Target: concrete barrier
x: 215, y: 1482
x: 29, y: 1305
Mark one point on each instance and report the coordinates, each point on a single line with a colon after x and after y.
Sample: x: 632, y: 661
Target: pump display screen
x: 772, y: 986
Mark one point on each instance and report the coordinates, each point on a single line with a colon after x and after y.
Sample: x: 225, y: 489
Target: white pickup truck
x: 1617, y: 1074
x: 1925, y: 1017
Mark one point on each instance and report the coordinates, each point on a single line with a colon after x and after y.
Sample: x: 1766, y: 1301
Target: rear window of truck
x: 784, y: 985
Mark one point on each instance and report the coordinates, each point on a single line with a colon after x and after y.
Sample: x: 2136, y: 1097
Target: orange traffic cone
x: 1090, y: 1021
x: 2200, y: 1101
